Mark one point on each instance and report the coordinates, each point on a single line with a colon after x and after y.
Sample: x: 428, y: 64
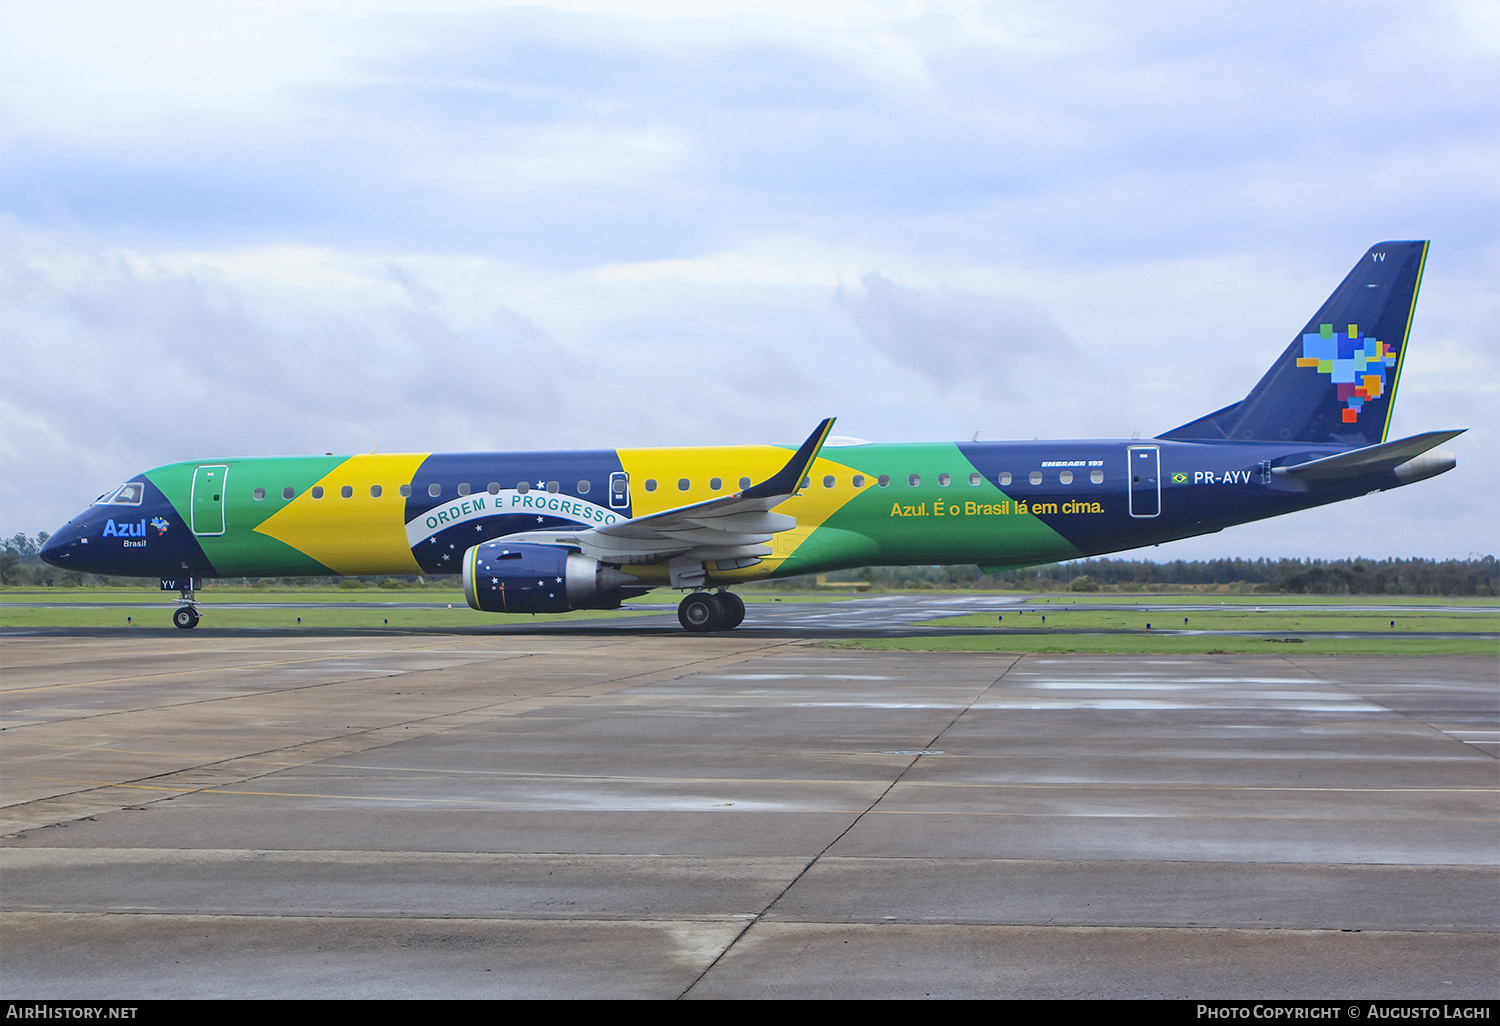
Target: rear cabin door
x: 208, y: 499
x: 1145, y: 481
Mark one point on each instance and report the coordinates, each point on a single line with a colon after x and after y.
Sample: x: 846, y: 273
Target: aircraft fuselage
x: 997, y: 504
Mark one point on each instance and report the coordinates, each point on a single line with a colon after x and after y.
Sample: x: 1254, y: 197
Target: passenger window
x: 463, y: 488
x: 288, y: 493
x: 260, y: 493
x: 405, y: 490
x: 493, y: 487
x: 619, y: 485
x: 553, y: 486
x: 715, y: 483
x: 523, y: 487
x: 683, y: 484
x: 1036, y: 477
x: 806, y: 481
x: 347, y: 491
x: 583, y: 487
x: 744, y: 483
x: 317, y: 492
x: 651, y: 484
x: 1096, y: 476
x: 944, y: 480
x: 375, y: 491
x: 828, y: 481
x: 1066, y: 477
x: 914, y: 480
x: 1004, y: 478
x: 859, y: 481
x: 884, y: 480
x: 974, y: 479
x: 434, y: 489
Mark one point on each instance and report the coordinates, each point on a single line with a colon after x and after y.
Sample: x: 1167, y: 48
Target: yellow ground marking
x: 358, y: 535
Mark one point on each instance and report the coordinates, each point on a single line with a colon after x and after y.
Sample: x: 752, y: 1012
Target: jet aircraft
x: 553, y: 531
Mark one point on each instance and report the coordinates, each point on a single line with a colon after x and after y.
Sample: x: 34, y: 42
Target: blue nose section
x: 143, y: 537
x: 55, y: 550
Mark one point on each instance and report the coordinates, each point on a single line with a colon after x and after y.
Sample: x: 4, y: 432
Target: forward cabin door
x: 208, y: 499
x: 1145, y: 481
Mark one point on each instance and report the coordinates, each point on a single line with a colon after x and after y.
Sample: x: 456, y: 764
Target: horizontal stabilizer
x: 1372, y: 459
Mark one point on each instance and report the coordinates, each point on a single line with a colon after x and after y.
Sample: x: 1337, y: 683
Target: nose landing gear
x: 707, y: 611
x: 186, y: 614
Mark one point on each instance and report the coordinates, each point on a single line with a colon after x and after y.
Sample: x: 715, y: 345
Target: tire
x: 731, y: 610
x: 699, y: 612
x: 186, y: 618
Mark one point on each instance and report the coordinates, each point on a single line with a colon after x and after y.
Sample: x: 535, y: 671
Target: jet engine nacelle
x: 502, y: 577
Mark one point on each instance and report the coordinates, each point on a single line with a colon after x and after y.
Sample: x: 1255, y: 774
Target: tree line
x: 21, y: 565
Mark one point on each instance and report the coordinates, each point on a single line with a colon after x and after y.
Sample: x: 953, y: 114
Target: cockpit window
x: 126, y: 495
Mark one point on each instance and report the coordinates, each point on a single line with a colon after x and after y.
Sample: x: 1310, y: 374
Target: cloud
x: 997, y: 345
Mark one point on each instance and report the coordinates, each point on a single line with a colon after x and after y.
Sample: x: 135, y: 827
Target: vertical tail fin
x: 1337, y: 381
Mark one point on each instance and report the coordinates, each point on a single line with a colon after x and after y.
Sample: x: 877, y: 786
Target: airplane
x: 534, y: 532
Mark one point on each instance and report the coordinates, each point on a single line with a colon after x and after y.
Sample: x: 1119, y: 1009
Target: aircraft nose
x: 59, y: 547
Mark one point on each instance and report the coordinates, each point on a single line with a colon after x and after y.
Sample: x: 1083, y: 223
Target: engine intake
x: 501, y: 577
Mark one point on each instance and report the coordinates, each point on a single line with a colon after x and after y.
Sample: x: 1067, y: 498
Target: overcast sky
x: 270, y: 228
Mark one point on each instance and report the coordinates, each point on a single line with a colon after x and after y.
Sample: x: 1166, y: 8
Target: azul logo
x: 1355, y: 363
x: 123, y: 529
x: 160, y: 525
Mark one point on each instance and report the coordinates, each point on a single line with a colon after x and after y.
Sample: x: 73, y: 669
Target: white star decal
x: 539, y: 520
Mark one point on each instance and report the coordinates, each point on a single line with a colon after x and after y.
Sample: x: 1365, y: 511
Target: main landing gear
x: 711, y: 611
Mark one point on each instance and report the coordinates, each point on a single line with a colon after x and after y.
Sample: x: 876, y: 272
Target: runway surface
x: 640, y: 813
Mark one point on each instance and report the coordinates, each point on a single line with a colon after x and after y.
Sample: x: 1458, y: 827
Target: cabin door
x: 208, y: 499
x: 1145, y: 481
x: 619, y: 490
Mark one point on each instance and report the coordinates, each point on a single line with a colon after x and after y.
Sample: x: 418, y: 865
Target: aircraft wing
x: 731, y: 531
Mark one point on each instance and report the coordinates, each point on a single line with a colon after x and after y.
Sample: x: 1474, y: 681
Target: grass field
x: 1182, y: 644
x: 438, y: 608
x: 1263, y: 618
x: 1289, y: 628
x: 1121, y: 625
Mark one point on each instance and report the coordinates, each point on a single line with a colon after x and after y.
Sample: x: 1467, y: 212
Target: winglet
x: 787, y: 479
